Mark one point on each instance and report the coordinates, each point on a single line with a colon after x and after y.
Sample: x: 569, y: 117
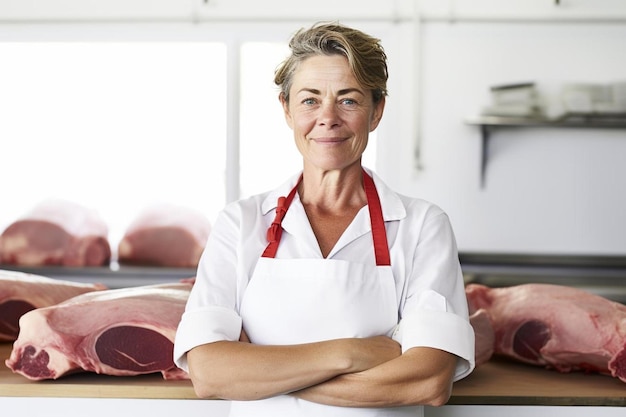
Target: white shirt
x: 424, y: 259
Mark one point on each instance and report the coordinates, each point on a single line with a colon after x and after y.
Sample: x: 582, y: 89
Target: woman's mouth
x: 329, y: 140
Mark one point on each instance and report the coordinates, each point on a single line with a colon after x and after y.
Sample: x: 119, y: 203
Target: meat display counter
x: 113, y: 276
x: 601, y: 275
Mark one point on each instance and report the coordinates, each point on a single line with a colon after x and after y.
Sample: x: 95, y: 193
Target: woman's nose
x: 329, y: 114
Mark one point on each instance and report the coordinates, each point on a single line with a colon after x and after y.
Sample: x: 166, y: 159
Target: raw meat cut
x: 485, y: 337
x: 56, y: 232
x: 127, y: 331
x: 555, y: 326
x: 21, y: 292
x: 165, y: 235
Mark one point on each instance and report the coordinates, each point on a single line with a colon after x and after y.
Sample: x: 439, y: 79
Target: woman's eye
x: 308, y: 101
x: 349, y: 101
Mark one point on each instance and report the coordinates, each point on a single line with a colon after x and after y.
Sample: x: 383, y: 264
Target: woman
x: 331, y: 295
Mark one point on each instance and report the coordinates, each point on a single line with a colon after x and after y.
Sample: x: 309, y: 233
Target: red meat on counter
x: 20, y: 293
x: 123, y: 332
x: 555, y: 326
x: 485, y: 337
x: 56, y: 232
x: 165, y: 235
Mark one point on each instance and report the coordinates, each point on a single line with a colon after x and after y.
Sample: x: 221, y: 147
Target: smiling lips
x: 330, y: 140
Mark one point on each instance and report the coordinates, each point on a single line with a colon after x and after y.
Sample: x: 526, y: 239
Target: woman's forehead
x: 320, y: 70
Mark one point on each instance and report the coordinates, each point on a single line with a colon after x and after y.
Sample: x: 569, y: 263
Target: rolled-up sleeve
x: 211, y: 314
x: 204, y: 325
x: 434, y: 310
x: 453, y: 334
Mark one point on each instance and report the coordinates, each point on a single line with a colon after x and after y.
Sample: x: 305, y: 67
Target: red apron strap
x: 379, y: 233
x: 275, y: 231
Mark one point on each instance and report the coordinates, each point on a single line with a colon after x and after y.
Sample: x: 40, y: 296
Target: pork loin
x: 56, y: 232
x: 165, y: 235
x: 21, y: 292
x: 555, y: 326
x: 123, y: 332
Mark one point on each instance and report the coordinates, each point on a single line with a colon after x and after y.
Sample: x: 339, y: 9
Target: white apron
x: 291, y: 301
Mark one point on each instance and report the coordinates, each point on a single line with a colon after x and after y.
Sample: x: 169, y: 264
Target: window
x: 113, y: 126
x: 268, y: 152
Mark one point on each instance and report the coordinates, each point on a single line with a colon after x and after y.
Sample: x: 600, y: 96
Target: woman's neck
x: 331, y: 200
x: 333, y: 191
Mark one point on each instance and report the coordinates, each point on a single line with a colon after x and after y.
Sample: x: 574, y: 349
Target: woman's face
x: 330, y: 113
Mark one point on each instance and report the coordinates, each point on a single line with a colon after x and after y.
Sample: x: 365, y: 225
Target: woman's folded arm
x: 421, y: 376
x: 245, y: 371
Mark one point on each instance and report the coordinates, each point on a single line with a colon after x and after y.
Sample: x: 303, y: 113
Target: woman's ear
x: 377, y: 114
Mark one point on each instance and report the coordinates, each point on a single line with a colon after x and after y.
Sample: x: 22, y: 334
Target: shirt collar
x: 270, y: 201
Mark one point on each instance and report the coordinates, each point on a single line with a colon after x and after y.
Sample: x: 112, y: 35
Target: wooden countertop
x: 504, y: 382
x: 498, y: 382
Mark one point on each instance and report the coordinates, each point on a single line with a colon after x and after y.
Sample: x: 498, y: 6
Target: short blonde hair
x: 364, y: 53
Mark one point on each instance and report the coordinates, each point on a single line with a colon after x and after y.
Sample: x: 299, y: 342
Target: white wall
x: 547, y: 191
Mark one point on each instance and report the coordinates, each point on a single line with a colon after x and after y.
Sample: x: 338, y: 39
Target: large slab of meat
x: 56, y: 232
x: 165, y: 235
x: 21, y: 292
x: 128, y: 331
x: 485, y: 338
x: 555, y: 326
